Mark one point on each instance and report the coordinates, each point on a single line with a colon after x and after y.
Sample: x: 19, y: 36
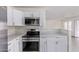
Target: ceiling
x: 29, y: 6
x: 56, y: 12
x: 61, y: 12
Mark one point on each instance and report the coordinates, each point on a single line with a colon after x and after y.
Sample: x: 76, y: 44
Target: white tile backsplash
x: 20, y: 29
x: 11, y: 30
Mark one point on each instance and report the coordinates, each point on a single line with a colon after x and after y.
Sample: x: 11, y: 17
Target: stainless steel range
x: 31, y: 40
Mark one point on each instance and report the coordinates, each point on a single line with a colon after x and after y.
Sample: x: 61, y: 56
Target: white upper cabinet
x: 32, y: 14
x: 9, y: 16
x: 41, y: 13
x: 36, y: 14
x: 17, y: 17
x: 14, y: 17
x: 28, y: 14
x: 43, y: 18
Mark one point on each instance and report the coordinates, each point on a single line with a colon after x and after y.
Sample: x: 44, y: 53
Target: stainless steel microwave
x: 32, y: 21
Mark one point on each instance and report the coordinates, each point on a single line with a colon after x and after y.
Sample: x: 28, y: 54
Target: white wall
x: 54, y: 24
x: 24, y: 29
x: 16, y: 30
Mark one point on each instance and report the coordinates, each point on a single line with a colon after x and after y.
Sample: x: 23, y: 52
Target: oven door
x: 30, y: 46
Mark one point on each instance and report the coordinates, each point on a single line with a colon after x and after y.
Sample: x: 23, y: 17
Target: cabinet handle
x: 9, y: 44
x: 57, y: 37
x: 9, y: 50
x: 46, y: 46
x: 56, y: 42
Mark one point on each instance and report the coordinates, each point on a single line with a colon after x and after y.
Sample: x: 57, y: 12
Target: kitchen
x: 27, y: 31
x: 40, y: 28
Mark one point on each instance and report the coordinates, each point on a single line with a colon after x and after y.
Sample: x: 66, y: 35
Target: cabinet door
x: 36, y: 14
x: 43, y: 44
x: 61, y: 44
x: 56, y: 44
x: 17, y: 17
x: 28, y: 14
x: 9, y: 16
x: 51, y: 44
x: 11, y: 46
x: 20, y: 18
x: 20, y: 44
x: 17, y: 45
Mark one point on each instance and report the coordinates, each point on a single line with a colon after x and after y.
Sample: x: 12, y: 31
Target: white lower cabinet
x: 57, y: 44
x: 11, y: 46
x: 14, y: 17
x: 20, y: 44
x: 54, y: 44
x: 51, y: 45
x: 43, y: 45
x: 17, y: 17
x: 61, y: 44
x: 15, y: 45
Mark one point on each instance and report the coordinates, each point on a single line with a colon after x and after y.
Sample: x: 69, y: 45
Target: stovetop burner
x: 30, y: 34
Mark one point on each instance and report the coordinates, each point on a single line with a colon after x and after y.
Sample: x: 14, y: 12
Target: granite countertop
x: 53, y: 35
x: 14, y: 36
x: 42, y: 34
